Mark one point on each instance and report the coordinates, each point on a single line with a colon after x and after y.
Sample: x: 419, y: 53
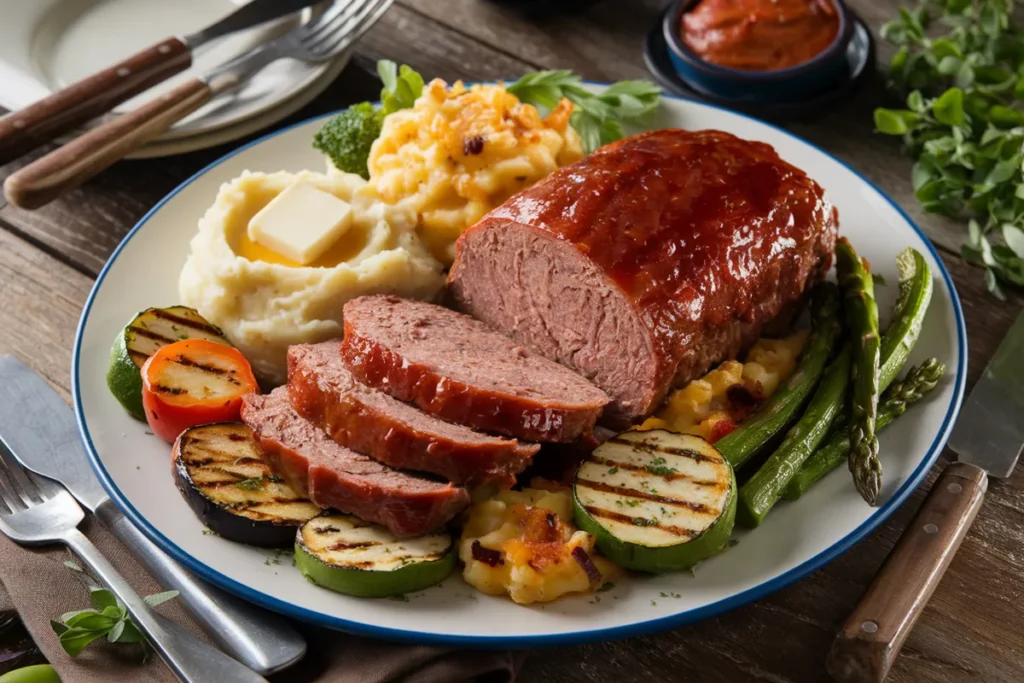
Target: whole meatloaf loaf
x: 398, y: 434
x: 648, y: 261
x: 458, y: 369
x: 333, y: 476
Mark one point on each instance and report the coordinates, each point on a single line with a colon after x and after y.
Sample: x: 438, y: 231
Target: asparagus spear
x: 862, y: 318
x: 902, y: 333
x: 784, y: 405
x: 919, y: 381
x: 907, y: 315
x: 762, y: 491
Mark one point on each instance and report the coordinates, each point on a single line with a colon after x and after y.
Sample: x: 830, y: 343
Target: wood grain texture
x: 871, y: 638
x: 90, y: 97
x: 970, y: 632
x: 70, y: 165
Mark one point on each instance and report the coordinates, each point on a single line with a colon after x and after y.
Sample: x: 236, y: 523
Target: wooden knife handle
x: 66, y: 109
x: 872, y: 636
x: 69, y: 166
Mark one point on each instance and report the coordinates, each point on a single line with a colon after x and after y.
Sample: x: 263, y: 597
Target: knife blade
x: 70, y: 107
x: 250, y: 14
x: 990, y: 432
x: 987, y: 437
x: 39, y: 429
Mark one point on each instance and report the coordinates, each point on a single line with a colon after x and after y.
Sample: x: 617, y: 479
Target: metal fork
x: 320, y: 39
x: 37, y: 511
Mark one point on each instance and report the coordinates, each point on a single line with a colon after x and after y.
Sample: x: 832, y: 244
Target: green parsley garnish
x: 251, y: 484
x: 108, y: 617
x: 657, y: 466
x: 960, y: 64
x: 599, y: 118
x: 643, y: 521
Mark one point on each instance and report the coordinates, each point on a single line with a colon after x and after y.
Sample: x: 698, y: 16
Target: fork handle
x: 69, y: 166
x: 189, y: 658
x: 261, y: 640
x: 24, y: 130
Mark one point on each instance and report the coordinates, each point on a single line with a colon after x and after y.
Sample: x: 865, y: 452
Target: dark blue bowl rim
x: 835, y: 50
x: 658, y: 60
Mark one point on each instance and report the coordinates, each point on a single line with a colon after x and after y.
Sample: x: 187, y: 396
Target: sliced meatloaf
x: 649, y: 261
x: 395, y: 433
x: 333, y: 476
x: 455, y: 367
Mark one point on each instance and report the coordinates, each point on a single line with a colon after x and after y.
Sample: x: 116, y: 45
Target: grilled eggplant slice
x: 345, y: 554
x: 656, y: 501
x: 141, y: 338
x: 219, y: 470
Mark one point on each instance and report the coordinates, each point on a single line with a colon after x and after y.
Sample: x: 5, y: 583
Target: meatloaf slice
x: 648, y: 261
x: 455, y: 367
x: 333, y: 476
x: 398, y: 434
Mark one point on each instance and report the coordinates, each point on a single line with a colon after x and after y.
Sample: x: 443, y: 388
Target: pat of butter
x: 301, y: 223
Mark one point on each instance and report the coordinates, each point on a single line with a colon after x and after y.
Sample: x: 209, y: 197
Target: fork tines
x: 342, y: 25
x: 17, y: 490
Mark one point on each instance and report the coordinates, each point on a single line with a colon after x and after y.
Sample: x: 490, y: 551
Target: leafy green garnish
x: 962, y: 63
x: 402, y: 86
x: 250, y: 484
x: 657, y: 466
x: 108, y: 617
x: 598, y: 117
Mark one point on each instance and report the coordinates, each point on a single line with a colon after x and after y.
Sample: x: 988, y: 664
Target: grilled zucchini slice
x: 147, y: 332
x: 219, y: 470
x: 345, y: 554
x: 656, y: 501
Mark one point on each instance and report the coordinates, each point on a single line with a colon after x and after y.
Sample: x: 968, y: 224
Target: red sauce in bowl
x: 760, y: 35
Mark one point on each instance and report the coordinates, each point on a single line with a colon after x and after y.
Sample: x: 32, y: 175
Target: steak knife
x: 987, y: 438
x: 24, y: 130
x: 38, y: 428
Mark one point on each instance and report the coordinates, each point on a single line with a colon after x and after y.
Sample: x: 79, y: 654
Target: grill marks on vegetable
x: 643, y: 483
x: 158, y: 327
x: 229, y: 473
x: 601, y: 513
x: 344, y: 541
x: 650, y: 448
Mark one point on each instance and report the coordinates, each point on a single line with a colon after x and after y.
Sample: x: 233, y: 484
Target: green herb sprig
x: 599, y: 118
x: 961, y: 65
x: 108, y: 617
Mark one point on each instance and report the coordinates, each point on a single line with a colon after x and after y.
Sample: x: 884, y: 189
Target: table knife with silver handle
x: 40, y: 122
x: 38, y: 428
x: 987, y: 439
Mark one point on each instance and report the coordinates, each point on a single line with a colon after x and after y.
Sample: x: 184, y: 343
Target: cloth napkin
x: 36, y: 583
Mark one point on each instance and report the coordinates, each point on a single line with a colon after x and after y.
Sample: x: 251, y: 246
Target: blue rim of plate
x: 568, y: 638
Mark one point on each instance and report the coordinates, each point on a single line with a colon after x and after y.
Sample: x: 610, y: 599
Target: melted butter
x: 237, y: 232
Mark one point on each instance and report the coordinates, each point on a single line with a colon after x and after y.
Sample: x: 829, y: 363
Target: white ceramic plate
x: 796, y: 538
x: 47, y: 44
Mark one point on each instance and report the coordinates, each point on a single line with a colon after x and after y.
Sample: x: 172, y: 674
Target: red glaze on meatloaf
x: 333, y: 476
x: 455, y: 367
x: 395, y: 433
x: 649, y: 261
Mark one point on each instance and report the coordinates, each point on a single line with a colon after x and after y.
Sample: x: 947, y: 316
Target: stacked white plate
x: 48, y: 44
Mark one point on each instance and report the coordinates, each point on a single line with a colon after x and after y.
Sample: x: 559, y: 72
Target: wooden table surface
x: 973, y: 628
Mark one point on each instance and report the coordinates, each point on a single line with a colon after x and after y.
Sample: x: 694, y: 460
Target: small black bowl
x: 859, y: 66
x: 791, y: 84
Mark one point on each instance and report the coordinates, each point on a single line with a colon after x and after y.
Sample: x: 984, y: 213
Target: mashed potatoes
x: 526, y: 545
x: 460, y: 152
x: 265, y: 303
x: 713, y: 405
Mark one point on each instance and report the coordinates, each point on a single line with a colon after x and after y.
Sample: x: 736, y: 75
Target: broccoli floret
x: 347, y: 138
